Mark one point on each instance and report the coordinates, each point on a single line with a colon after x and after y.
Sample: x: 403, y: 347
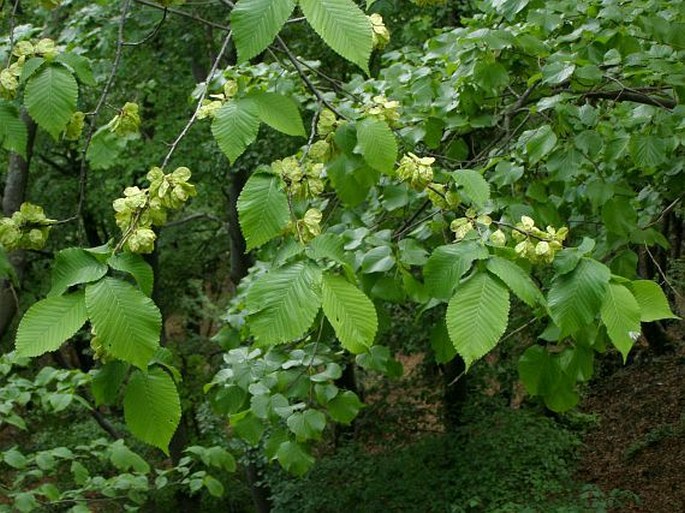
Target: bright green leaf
x: 235, y: 127
x: 474, y: 185
x: 516, y: 279
x: 652, y: 300
x: 256, y: 23
x: 621, y: 316
x: 576, y: 297
x: 343, y: 26
x: 49, y: 323
x: 136, y: 266
x: 284, y: 302
x: 126, y: 321
x: 13, y: 131
x: 74, y: 266
x: 279, y: 112
x: 151, y: 407
x: 262, y: 209
x: 377, y: 145
x: 477, y: 316
x: 448, y: 264
x: 50, y: 98
x: 350, y: 312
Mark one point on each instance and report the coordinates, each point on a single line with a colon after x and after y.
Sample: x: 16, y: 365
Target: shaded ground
x: 639, y: 443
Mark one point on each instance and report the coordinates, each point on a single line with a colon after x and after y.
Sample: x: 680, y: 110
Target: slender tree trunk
x: 13, y: 196
x: 240, y: 260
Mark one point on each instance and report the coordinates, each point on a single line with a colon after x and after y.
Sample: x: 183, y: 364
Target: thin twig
x: 192, y: 217
x: 12, y: 20
x: 154, y: 32
x: 665, y: 211
x: 310, y: 85
x: 83, y: 172
x: 661, y: 272
x: 184, y: 14
x: 205, y: 90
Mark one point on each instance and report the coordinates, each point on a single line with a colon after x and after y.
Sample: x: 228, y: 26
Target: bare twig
x: 154, y: 32
x: 192, y: 217
x: 193, y: 118
x: 665, y: 211
x: 12, y: 20
x: 184, y: 14
x: 661, y: 272
x: 310, y: 85
x: 83, y: 172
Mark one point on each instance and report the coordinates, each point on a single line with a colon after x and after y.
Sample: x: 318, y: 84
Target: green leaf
x: 279, y: 112
x: 256, y: 23
x: 647, y: 151
x: 351, y: 178
x: 576, y: 297
x: 50, y: 98
x: 136, y: 266
x: 330, y: 246
x: 350, y: 312
x: 307, y: 425
x: 235, y: 127
x: 104, y: 149
x: 343, y: 408
x: 477, y: 316
x: 14, y: 458
x: 30, y: 67
x: 448, y: 264
x: 74, y: 266
x: 557, y: 72
x: 294, y: 458
x: 378, y: 260
x: 125, y: 459
x: 652, y: 300
x: 79, y: 65
x: 125, y: 320
x: 152, y: 409
x: 213, y: 485
x: 516, y: 279
x: 377, y: 145
x: 474, y: 185
x: 262, y: 209
x: 441, y: 344
x: 283, y: 303
x: 343, y: 26
x: 107, y: 381
x: 49, y: 323
x: 13, y: 132
x: 248, y: 426
x: 621, y: 316
x: 538, y: 143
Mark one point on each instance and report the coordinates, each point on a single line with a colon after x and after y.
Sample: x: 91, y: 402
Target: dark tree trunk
x: 240, y: 260
x: 455, y: 392
x: 13, y: 196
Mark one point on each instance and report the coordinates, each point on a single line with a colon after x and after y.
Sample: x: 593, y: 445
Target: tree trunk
x: 240, y: 260
x: 13, y: 196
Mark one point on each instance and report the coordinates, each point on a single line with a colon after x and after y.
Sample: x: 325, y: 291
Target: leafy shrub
x: 511, y: 461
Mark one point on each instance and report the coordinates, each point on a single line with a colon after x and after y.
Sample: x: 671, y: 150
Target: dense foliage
x: 516, y: 163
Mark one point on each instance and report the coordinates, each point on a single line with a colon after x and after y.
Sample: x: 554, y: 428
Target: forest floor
x: 638, y: 444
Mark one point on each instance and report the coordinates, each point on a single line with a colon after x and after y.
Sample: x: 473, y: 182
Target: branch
x: 192, y: 217
x: 184, y: 14
x: 193, y: 118
x: 154, y: 32
x: 83, y: 173
x: 310, y: 85
x: 636, y: 96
